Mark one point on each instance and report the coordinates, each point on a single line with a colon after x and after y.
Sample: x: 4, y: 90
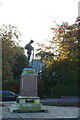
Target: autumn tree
x: 10, y: 53
x: 67, y: 39
x: 45, y: 53
x: 63, y: 68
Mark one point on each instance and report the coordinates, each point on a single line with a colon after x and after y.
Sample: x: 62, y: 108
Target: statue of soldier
x: 29, y: 51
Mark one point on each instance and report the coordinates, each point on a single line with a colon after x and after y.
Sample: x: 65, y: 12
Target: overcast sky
x: 34, y: 18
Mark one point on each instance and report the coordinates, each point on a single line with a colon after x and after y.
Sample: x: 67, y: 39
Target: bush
x: 66, y: 90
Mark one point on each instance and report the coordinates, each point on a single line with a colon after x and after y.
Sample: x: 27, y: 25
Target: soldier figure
x: 29, y: 51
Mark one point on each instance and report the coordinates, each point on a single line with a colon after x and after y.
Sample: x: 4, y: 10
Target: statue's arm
x: 26, y: 47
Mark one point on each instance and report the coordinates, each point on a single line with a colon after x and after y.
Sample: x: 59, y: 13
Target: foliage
x: 67, y: 39
x: 11, y: 53
x: 70, y: 89
x: 45, y: 53
x: 63, y: 68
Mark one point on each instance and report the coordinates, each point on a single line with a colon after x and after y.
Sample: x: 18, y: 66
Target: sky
x: 34, y: 18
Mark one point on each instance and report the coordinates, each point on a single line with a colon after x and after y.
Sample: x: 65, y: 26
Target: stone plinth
x: 28, y: 100
x: 28, y: 85
x: 26, y: 104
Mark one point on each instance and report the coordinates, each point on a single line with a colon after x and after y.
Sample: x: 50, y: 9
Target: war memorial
x: 28, y: 101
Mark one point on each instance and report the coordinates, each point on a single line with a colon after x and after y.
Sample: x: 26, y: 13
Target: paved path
x: 53, y: 112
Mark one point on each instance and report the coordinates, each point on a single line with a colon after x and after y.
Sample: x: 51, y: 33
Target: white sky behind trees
x: 34, y: 18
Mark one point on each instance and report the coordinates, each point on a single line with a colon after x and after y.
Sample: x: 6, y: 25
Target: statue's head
x: 31, y: 41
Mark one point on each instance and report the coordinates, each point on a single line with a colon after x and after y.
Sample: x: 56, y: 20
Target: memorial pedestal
x: 28, y: 85
x: 28, y: 101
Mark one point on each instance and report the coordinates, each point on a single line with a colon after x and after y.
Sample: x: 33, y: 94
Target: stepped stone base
x: 27, y: 104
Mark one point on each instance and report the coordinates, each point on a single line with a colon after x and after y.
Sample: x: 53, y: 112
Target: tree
x: 63, y: 68
x: 45, y: 53
x: 68, y: 47
x: 66, y: 36
x: 10, y: 53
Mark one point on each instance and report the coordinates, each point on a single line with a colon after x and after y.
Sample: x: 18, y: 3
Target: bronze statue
x: 29, y: 51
